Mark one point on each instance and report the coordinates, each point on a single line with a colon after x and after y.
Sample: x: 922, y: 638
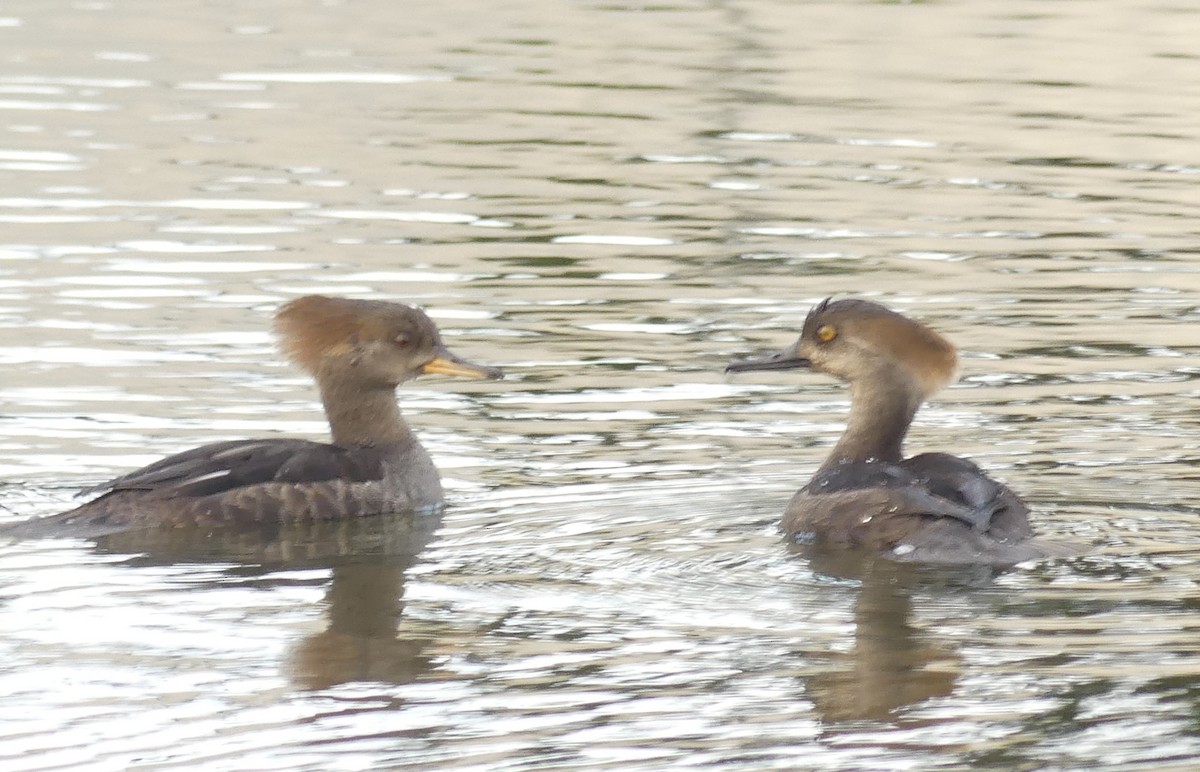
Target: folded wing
x: 225, y: 466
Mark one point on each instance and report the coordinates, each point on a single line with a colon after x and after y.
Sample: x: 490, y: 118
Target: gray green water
x: 610, y: 200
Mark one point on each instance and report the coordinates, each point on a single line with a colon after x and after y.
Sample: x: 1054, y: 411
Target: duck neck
x: 361, y: 415
x: 881, y: 410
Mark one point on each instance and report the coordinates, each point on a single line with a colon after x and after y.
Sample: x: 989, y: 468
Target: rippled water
x: 610, y: 200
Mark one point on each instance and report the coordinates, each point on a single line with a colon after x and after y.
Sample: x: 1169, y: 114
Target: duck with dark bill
x: 933, y: 507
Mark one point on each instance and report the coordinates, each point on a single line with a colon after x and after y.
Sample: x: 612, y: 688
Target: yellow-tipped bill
x: 446, y: 363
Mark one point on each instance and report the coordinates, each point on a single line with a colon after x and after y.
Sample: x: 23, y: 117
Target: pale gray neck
x: 881, y: 410
x: 360, y: 415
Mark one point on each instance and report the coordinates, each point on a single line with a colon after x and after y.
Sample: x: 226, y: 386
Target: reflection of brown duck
x: 892, y: 664
x: 933, y: 507
x: 358, y: 351
x: 364, y: 604
x: 368, y: 559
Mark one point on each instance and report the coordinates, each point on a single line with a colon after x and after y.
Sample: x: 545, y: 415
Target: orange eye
x: 826, y: 333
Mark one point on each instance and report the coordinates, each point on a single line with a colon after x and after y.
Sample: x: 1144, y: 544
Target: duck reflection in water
x: 367, y: 559
x: 930, y: 508
x: 892, y: 663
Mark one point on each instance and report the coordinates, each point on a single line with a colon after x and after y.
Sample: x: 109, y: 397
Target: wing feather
x: 226, y: 466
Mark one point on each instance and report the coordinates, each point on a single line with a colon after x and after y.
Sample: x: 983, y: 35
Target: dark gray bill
x: 780, y: 360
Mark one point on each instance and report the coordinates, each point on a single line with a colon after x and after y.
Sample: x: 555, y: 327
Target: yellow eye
x: 826, y: 333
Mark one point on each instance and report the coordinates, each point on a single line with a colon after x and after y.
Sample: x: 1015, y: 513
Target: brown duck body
x: 256, y: 481
x: 931, y: 508
x: 358, y: 352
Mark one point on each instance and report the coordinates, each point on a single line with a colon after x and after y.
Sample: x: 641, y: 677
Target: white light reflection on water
x: 622, y: 241
x: 378, y: 78
x: 446, y: 218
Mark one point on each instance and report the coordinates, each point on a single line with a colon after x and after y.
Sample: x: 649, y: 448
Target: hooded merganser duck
x: 934, y: 507
x: 358, y: 352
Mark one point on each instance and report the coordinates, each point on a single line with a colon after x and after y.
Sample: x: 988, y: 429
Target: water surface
x: 609, y: 200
